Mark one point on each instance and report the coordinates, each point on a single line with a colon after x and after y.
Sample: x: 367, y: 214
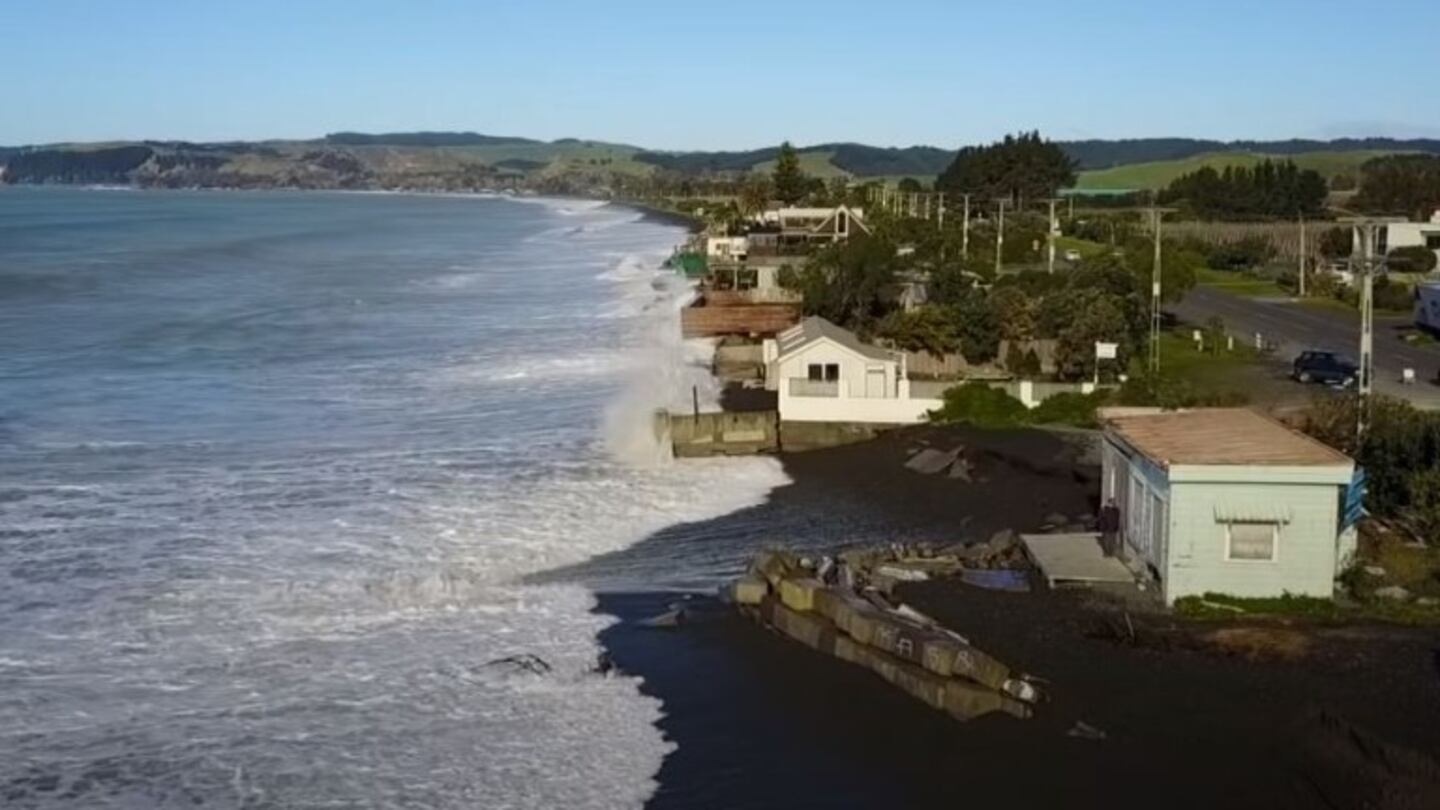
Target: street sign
x: 1105, y: 351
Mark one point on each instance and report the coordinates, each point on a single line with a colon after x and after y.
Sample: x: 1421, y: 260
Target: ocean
x: 278, y: 472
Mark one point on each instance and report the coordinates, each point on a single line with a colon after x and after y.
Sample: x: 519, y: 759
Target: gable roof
x: 813, y: 328
x: 1218, y: 437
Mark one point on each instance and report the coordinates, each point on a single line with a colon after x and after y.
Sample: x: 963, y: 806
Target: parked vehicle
x: 1324, y: 367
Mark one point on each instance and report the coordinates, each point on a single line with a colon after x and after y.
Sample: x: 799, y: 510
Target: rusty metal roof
x: 1219, y: 437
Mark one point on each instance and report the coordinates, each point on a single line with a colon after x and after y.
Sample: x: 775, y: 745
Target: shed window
x: 1251, y: 541
x: 824, y: 372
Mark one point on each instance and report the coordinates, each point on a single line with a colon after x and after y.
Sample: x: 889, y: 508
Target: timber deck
x: 1074, y: 559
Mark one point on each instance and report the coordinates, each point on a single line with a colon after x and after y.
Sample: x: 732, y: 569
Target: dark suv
x: 1324, y: 367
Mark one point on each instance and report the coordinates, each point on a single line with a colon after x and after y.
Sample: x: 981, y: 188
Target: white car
x: 1072, y: 255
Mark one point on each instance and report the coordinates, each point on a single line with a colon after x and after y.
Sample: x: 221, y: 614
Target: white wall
x: 892, y: 411
x: 1306, y: 552
x: 853, y: 367
x: 725, y: 247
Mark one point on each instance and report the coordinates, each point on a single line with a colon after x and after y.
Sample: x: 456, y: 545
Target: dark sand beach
x: 763, y: 722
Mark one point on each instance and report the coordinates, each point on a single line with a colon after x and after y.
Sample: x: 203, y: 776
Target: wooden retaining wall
x: 705, y: 318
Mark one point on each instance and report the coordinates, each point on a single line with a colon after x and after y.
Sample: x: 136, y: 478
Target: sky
x: 732, y: 75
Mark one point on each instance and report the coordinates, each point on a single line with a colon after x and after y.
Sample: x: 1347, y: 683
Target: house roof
x: 815, y: 327
x: 1217, y: 437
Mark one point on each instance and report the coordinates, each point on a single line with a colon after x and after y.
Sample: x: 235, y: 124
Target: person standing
x: 1109, y: 526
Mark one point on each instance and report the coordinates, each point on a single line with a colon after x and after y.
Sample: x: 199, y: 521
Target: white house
x: 805, y: 226
x: 1226, y: 500
x: 824, y: 373
x: 1407, y: 234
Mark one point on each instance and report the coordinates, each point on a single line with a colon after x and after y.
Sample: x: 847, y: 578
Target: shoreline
x: 759, y: 721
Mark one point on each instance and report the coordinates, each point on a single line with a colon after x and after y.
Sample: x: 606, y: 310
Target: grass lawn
x: 1240, y: 374
x: 1086, y: 247
x: 1240, y: 284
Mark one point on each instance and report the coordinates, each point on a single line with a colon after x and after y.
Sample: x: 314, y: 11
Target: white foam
x: 332, y: 648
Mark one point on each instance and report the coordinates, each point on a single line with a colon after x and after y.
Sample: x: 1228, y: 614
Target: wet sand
x: 763, y: 722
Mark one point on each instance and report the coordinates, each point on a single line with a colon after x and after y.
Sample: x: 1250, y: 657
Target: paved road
x: 1294, y: 327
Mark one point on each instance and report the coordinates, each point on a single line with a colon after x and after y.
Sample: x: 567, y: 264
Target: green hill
x: 1159, y: 174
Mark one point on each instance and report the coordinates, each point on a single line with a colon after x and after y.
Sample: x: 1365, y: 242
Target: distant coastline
x: 664, y: 216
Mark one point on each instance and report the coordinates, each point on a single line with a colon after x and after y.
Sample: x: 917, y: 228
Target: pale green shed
x: 1226, y: 500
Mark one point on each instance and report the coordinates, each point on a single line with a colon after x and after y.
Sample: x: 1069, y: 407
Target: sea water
x: 273, y: 467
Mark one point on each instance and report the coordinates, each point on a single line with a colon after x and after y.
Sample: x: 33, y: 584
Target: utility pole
x: 1155, y: 295
x: 1050, y: 239
x: 1366, y: 371
x: 1367, y: 233
x: 965, y: 231
x: 940, y: 213
x: 1000, y: 239
x: 1302, y: 254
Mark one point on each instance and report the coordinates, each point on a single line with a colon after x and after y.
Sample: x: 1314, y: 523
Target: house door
x: 875, y: 382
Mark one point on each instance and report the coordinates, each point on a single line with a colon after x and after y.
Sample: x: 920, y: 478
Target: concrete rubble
x: 844, y: 607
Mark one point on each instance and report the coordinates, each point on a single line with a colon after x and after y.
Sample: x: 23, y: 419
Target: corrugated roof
x: 815, y: 327
x: 1220, y: 437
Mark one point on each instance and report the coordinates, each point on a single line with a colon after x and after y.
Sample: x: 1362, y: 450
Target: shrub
x: 1070, y: 408
x: 1411, y: 259
x: 1393, y: 294
x: 982, y: 406
x: 1252, y: 251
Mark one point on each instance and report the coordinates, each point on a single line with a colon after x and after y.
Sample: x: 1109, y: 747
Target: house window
x: 826, y: 372
x: 1432, y: 241
x: 842, y: 223
x: 1251, y: 541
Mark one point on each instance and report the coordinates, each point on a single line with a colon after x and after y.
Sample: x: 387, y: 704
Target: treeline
x: 1018, y: 168
x: 1406, y: 185
x: 1270, y: 189
x: 90, y: 166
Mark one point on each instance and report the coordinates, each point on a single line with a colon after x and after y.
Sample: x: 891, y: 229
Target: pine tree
x: 790, y: 182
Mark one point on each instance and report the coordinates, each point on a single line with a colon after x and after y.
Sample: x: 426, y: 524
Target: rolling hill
x: 1158, y: 174
x: 468, y: 160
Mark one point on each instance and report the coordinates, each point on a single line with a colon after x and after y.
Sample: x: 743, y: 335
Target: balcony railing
x: 805, y: 387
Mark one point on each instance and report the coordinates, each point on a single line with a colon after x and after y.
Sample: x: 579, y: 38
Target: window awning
x: 1251, y: 512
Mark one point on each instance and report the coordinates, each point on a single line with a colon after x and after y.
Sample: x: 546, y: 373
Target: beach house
x: 1226, y: 500
x: 791, y: 231
x: 824, y: 373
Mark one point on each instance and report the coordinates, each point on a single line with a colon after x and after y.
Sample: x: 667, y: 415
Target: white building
x: 1226, y: 500
x: 824, y: 373
x: 727, y: 248
x: 794, y: 227
x: 1407, y: 234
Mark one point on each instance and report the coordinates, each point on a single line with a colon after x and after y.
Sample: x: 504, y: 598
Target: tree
x: 1015, y: 312
x: 1400, y: 184
x: 791, y: 184
x: 754, y: 194
x: 851, y: 283
x: 1018, y: 168
x: 1269, y: 189
x: 928, y: 329
x: 910, y: 185
x: 1099, y: 317
x: 977, y: 327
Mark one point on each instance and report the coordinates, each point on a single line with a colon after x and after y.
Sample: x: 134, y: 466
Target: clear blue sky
x: 683, y: 75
